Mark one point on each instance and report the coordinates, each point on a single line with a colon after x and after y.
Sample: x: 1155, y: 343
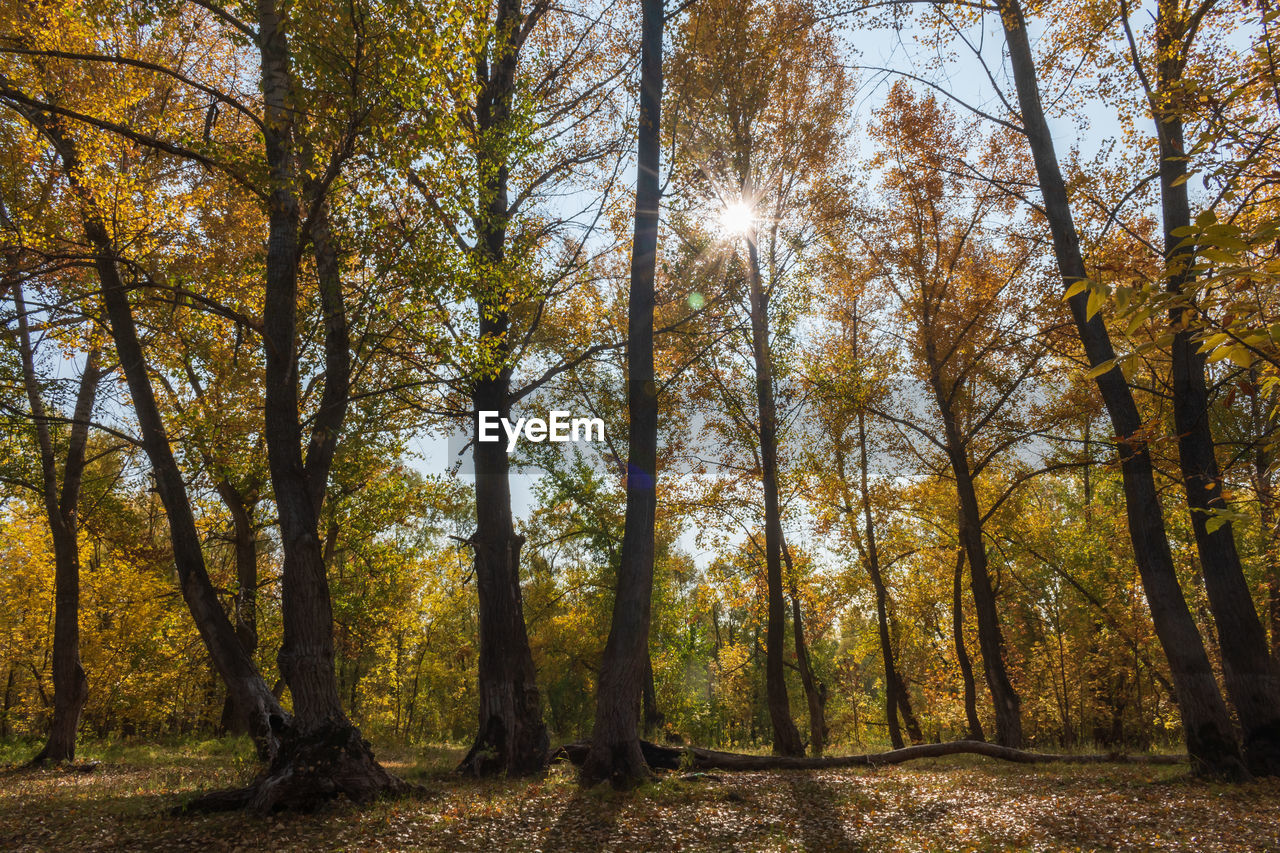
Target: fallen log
x: 695, y: 758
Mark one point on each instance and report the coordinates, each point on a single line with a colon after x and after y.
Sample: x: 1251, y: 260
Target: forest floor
x: 961, y: 803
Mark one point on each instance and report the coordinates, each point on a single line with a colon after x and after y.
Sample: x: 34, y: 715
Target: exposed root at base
x: 310, y: 771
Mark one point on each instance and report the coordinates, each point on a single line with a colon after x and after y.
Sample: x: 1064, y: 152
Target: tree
x: 61, y: 494
x: 1210, y: 741
x: 615, y: 746
x: 1249, y: 672
x: 764, y: 136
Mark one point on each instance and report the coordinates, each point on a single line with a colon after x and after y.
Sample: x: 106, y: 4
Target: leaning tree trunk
x: 962, y: 654
x: 615, y: 746
x: 1249, y: 672
x: 70, y: 685
x: 895, y: 692
x: 1210, y: 740
x: 786, y: 738
x: 237, y: 670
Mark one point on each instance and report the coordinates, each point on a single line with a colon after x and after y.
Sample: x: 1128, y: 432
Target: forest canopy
x: 934, y: 349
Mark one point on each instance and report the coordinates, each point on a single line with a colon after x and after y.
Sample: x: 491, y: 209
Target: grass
x: 956, y: 803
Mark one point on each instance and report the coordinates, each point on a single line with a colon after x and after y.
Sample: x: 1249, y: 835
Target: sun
x: 736, y: 219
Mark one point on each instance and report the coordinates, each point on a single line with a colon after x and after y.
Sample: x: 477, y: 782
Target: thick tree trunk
x: 70, y: 685
x: 322, y: 753
x: 786, y: 738
x: 237, y: 669
x: 962, y: 654
x: 511, y: 737
x: 1210, y: 740
x: 615, y: 749
x: 1249, y: 672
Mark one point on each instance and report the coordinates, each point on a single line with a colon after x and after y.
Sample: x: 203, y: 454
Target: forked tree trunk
x: 786, y: 738
x: 61, y: 501
x: 962, y: 654
x: 615, y: 752
x: 237, y: 670
x: 1210, y: 740
x: 1004, y: 699
x: 1249, y: 672
x: 322, y: 754
x: 815, y: 693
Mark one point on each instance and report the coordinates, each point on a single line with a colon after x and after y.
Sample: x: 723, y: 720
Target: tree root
x: 694, y: 758
x: 309, y: 771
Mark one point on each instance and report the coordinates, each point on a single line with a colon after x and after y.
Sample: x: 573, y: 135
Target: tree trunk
x: 245, y: 536
x: 1210, y: 740
x: 1265, y: 489
x: 615, y: 749
x: 1249, y: 671
x: 652, y: 715
x: 962, y: 654
x: 237, y: 669
x: 815, y: 693
x: 322, y: 754
x: 70, y: 685
x: 695, y: 758
x: 786, y: 738
x: 511, y: 737
x: 893, y: 690
x: 1004, y: 699
x: 1007, y: 704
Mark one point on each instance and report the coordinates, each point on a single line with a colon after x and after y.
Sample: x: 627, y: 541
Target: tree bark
x: 245, y: 538
x: 511, y: 736
x: 615, y: 752
x: 786, y: 738
x: 322, y: 754
x: 895, y: 692
x: 962, y: 654
x: 1007, y: 704
x: 1206, y: 724
x: 815, y: 693
x: 61, y: 502
x: 1249, y: 672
